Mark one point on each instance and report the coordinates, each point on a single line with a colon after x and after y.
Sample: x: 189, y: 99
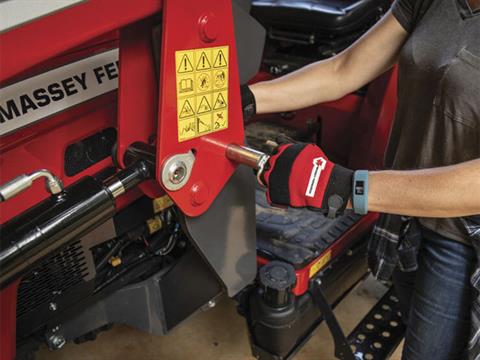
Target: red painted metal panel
x: 43, y: 146
x: 384, y: 124
x: 137, y: 93
x: 371, y: 129
x: 98, y: 45
x: 137, y: 86
x: 32, y: 49
x: 37, y: 41
x: 211, y: 169
x: 8, y: 320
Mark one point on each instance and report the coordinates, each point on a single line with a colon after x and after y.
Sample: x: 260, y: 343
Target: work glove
x: 249, y: 108
x: 300, y: 175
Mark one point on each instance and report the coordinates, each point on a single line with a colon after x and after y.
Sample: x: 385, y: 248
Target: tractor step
x: 380, y: 331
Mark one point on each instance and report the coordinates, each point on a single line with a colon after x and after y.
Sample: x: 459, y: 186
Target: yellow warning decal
x: 202, y: 91
x: 185, y: 63
x: 320, y: 263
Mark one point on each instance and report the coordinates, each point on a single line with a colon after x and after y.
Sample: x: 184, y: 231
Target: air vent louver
x: 51, y: 278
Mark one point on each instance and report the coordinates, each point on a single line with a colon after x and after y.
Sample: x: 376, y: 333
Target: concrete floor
x: 218, y: 334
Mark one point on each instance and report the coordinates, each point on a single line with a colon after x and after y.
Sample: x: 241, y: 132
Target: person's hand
x: 300, y: 175
x: 249, y: 107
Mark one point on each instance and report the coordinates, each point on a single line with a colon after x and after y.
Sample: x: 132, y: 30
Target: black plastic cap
x: 277, y: 280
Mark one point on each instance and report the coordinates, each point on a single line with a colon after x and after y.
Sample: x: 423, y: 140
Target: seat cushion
x: 297, y: 236
x: 329, y: 16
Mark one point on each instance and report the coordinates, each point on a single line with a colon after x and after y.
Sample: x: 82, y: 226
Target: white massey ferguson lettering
x: 318, y: 166
x: 43, y: 95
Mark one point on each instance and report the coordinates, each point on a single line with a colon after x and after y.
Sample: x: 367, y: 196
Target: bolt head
x: 199, y: 193
x: 177, y: 172
x: 52, y: 306
x: 208, y: 27
x: 56, y: 342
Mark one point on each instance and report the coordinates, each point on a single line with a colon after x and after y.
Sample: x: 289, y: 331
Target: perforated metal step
x: 380, y: 331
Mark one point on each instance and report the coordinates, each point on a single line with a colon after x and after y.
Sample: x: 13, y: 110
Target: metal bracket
x: 342, y: 348
x: 225, y: 233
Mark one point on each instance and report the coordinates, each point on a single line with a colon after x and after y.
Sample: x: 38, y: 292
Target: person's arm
x: 300, y: 175
x: 331, y: 79
x: 450, y: 191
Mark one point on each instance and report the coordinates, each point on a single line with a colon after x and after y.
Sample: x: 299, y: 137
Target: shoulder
x: 409, y: 12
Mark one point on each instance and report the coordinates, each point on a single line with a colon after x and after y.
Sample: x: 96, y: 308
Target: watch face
x: 359, y: 187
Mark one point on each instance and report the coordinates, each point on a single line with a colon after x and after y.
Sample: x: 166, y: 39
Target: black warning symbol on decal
x: 185, y: 85
x: 204, y: 124
x: 187, y: 110
x: 203, y: 63
x: 204, y: 106
x: 220, y: 120
x: 204, y: 82
x: 185, y: 65
x: 220, y: 102
x: 220, y: 79
x: 220, y: 60
x: 188, y: 130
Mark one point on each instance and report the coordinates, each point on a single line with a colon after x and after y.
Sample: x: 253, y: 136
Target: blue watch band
x: 360, y: 192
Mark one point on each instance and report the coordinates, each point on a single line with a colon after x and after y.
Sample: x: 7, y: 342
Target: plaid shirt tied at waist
x: 395, y: 242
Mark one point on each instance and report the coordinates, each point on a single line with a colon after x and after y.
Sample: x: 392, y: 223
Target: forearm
x: 315, y: 83
x: 331, y: 79
x: 451, y: 191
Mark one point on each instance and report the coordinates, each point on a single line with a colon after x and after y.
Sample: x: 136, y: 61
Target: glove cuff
x: 249, y: 107
x: 338, y: 191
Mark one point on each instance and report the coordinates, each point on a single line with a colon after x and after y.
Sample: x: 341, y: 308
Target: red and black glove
x: 300, y: 175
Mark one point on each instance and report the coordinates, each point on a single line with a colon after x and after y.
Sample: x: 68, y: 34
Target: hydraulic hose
x: 45, y: 228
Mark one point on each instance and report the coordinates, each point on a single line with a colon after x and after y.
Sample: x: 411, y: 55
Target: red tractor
x: 122, y: 198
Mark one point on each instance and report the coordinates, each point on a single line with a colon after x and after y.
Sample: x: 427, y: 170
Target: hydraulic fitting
x: 53, y: 184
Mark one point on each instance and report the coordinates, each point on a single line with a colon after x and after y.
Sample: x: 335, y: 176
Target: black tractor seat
x: 333, y: 17
x: 303, y: 31
x: 296, y: 236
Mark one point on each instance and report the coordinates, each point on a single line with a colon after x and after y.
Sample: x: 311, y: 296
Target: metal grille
x: 52, y: 278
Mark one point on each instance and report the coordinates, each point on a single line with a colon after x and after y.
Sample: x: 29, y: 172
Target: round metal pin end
x: 177, y: 170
